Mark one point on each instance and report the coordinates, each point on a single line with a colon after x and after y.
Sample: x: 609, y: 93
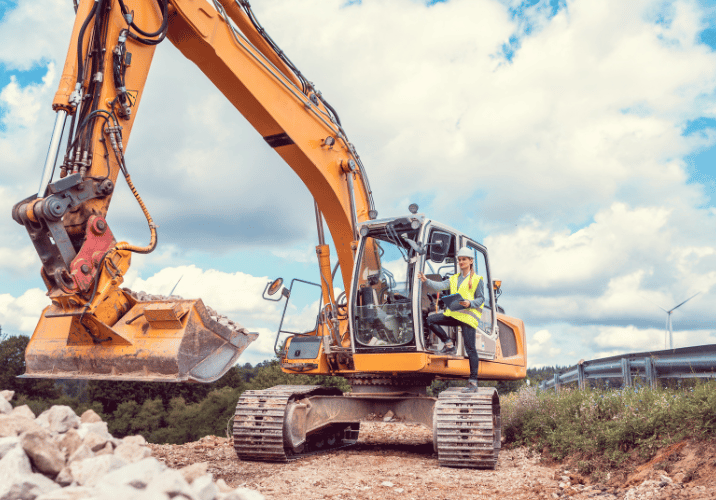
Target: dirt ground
x: 396, y: 460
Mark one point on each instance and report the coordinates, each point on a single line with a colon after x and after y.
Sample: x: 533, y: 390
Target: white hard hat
x: 466, y: 252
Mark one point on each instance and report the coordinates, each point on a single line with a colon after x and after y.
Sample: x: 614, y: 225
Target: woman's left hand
x: 464, y: 303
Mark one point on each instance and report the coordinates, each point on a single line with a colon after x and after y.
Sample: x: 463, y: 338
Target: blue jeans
x: 468, y: 334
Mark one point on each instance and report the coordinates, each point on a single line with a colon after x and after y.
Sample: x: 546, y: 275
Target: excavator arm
x: 93, y: 328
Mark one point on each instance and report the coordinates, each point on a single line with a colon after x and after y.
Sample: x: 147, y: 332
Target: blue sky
x: 576, y: 139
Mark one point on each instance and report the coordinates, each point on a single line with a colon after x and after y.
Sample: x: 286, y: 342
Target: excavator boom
x: 95, y: 329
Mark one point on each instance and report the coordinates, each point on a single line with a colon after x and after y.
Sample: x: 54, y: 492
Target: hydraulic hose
x: 152, y: 227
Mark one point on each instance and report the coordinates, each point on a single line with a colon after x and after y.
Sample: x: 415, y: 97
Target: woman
x: 469, y: 285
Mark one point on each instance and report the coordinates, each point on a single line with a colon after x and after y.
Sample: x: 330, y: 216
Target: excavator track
x: 467, y: 428
x: 259, y: 426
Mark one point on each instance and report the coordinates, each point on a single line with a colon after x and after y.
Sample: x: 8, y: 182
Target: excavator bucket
x: 159, y: 340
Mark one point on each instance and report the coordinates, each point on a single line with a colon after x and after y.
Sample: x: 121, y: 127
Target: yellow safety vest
x: 469, y: 316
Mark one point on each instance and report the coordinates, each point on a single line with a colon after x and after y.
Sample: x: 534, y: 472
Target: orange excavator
x: 374, y: 334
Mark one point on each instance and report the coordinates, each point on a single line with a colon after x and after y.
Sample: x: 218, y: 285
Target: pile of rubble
x: 60, y: 456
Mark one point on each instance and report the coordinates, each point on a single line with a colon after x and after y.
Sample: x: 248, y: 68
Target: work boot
x: 448, y: 348
x: 471, y: 387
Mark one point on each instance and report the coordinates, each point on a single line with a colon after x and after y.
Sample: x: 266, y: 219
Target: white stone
x: 387, y: 484
x: 44, y: 452
x: 23, y: 411
x: 94, y: 441
x: 193, y: 471
x: 11, y: 425
x: 15, y: 463
x: 243, y: 494
x: 96, y: 427
x: 17, y: 481
x: 81, y: 453
x: 132, y: 452
x: 27, y: 487
x: 223, y: 487
x: 138, y: 439
x: 7, y: 444
x: 7, y: 395
x: 69, y: 442
x: 58, y: 419
x: 5, y: 406
x: 138, y: 474
x: 65, y: 478
x: 90, y: 471
x: 90, y: 417
x: 170, y: 482
x: 123, y: 492
x: 71, y: 493
x: 107, y: 450
x: 204, y: 488
x: 388, y: 416
x: 399, y: 490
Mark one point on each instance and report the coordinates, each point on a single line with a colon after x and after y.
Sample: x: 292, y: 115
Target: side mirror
x: 439, y: 246
x: 274, y: 286
x: 497, y: 287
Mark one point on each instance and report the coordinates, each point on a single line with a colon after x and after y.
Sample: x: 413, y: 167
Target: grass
x: 600, y: 430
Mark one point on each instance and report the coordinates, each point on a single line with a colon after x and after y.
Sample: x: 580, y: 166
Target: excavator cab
x: 390, y: 305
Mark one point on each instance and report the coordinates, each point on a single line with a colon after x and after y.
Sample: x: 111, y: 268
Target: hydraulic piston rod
x: 52, y: 152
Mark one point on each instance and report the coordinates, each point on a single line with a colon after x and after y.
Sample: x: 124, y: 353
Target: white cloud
x: 21, y: 314
x: 571, y: 156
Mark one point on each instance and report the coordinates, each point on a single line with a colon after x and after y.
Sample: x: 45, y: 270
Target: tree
x: 12, y: 364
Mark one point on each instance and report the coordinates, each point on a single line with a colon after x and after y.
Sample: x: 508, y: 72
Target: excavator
x: 374, y: 333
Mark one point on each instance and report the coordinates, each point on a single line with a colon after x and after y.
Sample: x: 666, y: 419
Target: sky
x: 576, y: 139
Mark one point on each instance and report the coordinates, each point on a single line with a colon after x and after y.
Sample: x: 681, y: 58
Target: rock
x: 223, y: 487
x: 44, y: 452
x: 137, y: 475
x: 64, y: 478
x: 71, y: 493
x: 387, y: 484
x: 110, y: 492
x: 69, y: 442
x: 7, y: 395
x: 131, y: 453
x: 11, y: 425
x: 96, y: 427
x: 5, y: 406
x: 17, y: 481
x: 58, y: 419
x: 107, y: 450
x: 7, y: 444
x: 169, y: 482
x: 23, y: 411
x: 15, y: 463
x: 204, y: 488
x: 399, y: 490
x: 193, y: 471
x: 90, y: 417
x: 94, y: 441
x: 89, y: 471
x: 388, y: 416
x: 243, y: 494
x: 81, y: 453
x: 138, y: 439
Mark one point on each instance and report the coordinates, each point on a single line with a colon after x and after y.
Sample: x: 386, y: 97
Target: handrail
x: 685, y: 362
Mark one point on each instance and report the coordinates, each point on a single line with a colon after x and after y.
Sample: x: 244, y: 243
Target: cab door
x: 486, y: 335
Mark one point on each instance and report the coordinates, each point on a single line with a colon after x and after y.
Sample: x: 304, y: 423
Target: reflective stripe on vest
x: 470, y: 316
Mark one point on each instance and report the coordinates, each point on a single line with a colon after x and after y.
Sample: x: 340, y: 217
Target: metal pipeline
x: 52, y: 152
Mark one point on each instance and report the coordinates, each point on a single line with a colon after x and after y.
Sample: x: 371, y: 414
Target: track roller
x: 269, y: 425
x: 467, y: 428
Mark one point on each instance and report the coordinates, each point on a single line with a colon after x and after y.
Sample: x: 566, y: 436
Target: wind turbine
x: 669, y: 331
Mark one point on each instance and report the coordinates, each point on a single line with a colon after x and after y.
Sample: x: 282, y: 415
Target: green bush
x: 601, y: 428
